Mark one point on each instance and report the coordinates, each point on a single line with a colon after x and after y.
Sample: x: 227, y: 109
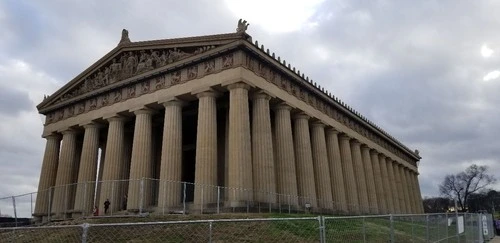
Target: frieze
x: 151, y: 85
x: 291, y: 87
x: 132, y: 63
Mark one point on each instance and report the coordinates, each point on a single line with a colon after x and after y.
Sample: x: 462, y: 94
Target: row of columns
x: 309, y: 162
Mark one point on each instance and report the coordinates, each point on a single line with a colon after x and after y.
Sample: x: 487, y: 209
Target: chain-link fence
x: 79, y: 200
x: 379, y: 228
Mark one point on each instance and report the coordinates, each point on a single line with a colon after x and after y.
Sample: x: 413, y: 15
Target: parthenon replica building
x: 213, y: 123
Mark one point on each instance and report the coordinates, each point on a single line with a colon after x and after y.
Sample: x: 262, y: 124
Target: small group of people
x: 106, y: 208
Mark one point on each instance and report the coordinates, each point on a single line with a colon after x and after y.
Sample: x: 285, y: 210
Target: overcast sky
x: 427, y: 72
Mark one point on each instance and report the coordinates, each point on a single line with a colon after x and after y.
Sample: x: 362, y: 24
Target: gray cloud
x: 13, y: 101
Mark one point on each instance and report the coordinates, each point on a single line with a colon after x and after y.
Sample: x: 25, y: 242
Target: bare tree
x: 460, y: 186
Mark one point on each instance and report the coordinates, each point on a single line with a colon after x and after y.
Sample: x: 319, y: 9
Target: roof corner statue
x: 242, y: 26
x: 124, y: 38
x: 164, y: 110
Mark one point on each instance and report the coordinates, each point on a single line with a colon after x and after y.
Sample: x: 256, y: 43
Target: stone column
x: 112, y: 165
x: 359, y: 174
x: 304, y: 161
x: 351, y: 187
x: 370, y: 179
x: 84, y: 199
x: 205, y: 178
x: 264, y: 180
x: 286, y: 174
x: 65, y: 170
x: 392, y: 185
x: 379, y: 182
x: 418, y: 195
x: 47, y: 175
x: 406, y: 189
x: 141, y: 164
x: 321, y: 168
x: 387, y: 185
x: 240, y: 153
x: 411, y: 190
x: 335, y: 165
x: 399, y: 187
x: 170, y: 188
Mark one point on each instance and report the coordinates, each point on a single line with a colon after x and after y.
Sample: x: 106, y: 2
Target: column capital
x: 261, y: 94
x: 52, y: 136
x: 282, y: 105
x: 356, y: 142
x: 91, y: 125
x: 168, y: 100
x: 173, y: 102
x: 69, y: 131
x: 344, y: 136
x: 205, y: 92
x: 114, y: 117
x: 142, y: 110
x: 317, y: 124
x: 382, y: 156
x: 374, y: 151
x: 365, y: 147
x: 239, y: 85
x: 301, y: 115
x: 331, y: 130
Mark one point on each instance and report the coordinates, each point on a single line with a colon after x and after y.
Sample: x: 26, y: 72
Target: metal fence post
x: 427, y: 236
x: 184, y: 199
x: 31, y: 204
x: 85, y: 227
x: 364, y: 230
x: 210, y: 231
x: 84, y: 209
x: 14, y: 207
x: 218, y: 199
x: 412, y: 229
x: 446, y: 217
x: 201, y: 206
x: 49, y: 206
x: 392, y: 226
x: 321, y: 229
x: 141, y: 195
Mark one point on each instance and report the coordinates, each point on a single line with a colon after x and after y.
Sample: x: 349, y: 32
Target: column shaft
x: 205, y: 178
x: 84, y: 199
x: 264, y: 180
x: 351, y: 187
x: 335, y: 165
x: 379, y: 182
x: 392, y: 185
x: 170, y: 188
x: 321, y: 169
x: 65, y: 171
x: 286, y: 174
x: 240, y: 155
x: 406, y: 189
x: 47, y: 174
x: 399, y: 187
x: 387, y: 184
x: 359, y: 173
x: 418, y: 195
x: 304, y: 162
x: 112, y: 165
x: 141, y: 164
x: 370, y: 180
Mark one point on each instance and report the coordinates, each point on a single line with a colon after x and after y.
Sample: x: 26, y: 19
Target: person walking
x: 106, y: 206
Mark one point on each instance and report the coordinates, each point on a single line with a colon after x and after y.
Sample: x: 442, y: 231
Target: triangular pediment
x: 132, y: 59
